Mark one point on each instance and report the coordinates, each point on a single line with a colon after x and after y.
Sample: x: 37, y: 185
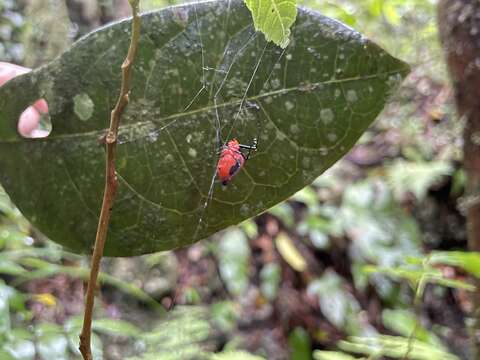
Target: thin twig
x: 111, y: 183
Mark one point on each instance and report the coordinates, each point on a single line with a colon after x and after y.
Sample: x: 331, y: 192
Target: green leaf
x: 6, y: 355
x: 43, y: 269
x: 116, y: 327
x: 468, y: 261
x: 337, y: 304
x: 299, y: 344
x: 307, y: 105
x: 380, y: 230
x: 183, y: 334
x: 270, y: 277
x: 6, y: 292
x: 405, y: 323
x: 236, y: 355
x: 283, y: 212
x: 416, y: 177
x: 395, y: 347
x: 52, y: 343
x: 11, y: 268
x: 225, y: 315
x: 274, y: 18
x: 20, y: 349
x: 418, y: 276
x: 332, y: 355
x: 290, y: 253
x: 72, y: 327
x: 234, y: 257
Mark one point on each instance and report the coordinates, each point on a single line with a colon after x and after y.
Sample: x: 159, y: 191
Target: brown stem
x: 111, y: 183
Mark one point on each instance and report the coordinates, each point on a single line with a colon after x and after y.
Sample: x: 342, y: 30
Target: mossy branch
x: 111, y: 182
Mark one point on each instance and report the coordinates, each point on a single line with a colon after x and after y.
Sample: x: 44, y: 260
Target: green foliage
x: 274, y: 18
x: 418, y: 275
x: 44, y: 341
x: 168, y: 145
x: 382, y: 232
x: 468, y: 261
x: 236, y: 355
x: 234, y: 256
x: 405, y: 27
x: 338, y: 305
x: 116, y: 327
x: 300, y: 345
x: 12, y: 24
x: 416, y: 177
x: 270, y: 277
x: 184, y: 334
x: 47, y: 31
x: 394, y: 347
x: 333, y: 355
x: 22, y: 339
x: 224, y: 315
x: 405, y: 323
x: 37, y: 263
x: 181, y: 336
x: 284, y: 212
x: 289, y: 252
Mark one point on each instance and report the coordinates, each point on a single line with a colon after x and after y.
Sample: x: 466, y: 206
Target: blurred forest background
x: 367, y: 261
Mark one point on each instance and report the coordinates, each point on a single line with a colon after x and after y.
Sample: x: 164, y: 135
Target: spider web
x: 212, y: 83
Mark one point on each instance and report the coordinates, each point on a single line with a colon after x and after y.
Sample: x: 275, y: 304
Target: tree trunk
x: 459, y: 25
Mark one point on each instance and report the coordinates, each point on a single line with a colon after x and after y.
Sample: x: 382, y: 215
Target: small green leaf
x: 274, y: 18
x: 338, y: 305
x: 395, y: 347
x: 6, y: 293
x: 53, y: 346
x: 405, y: 322
x: 116, y: 327
x: 97, y: 347
x: 416, y: 177
x: 20, y: 349
x: 468, y: 261
x: 332, y: 355
x: 225, y: 315
x: 11, y: 268
x: 5, y: 355
x: 236, y: 355
x: 234, y: 257
x: 418, y: 276
x: 283, y: 212
x: 270, y: 277
x: 181, y: 335
x: 300, y: 345
x: 290, y: 253
x: 250, y: 228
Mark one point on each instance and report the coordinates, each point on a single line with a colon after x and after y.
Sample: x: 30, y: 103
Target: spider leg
x: 250, y: 148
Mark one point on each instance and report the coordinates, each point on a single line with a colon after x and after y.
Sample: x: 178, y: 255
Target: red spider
x: 232, y: 159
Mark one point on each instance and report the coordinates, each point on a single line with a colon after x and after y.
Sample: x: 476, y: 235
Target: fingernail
x: 28, y: 121
x: 41, y: 106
